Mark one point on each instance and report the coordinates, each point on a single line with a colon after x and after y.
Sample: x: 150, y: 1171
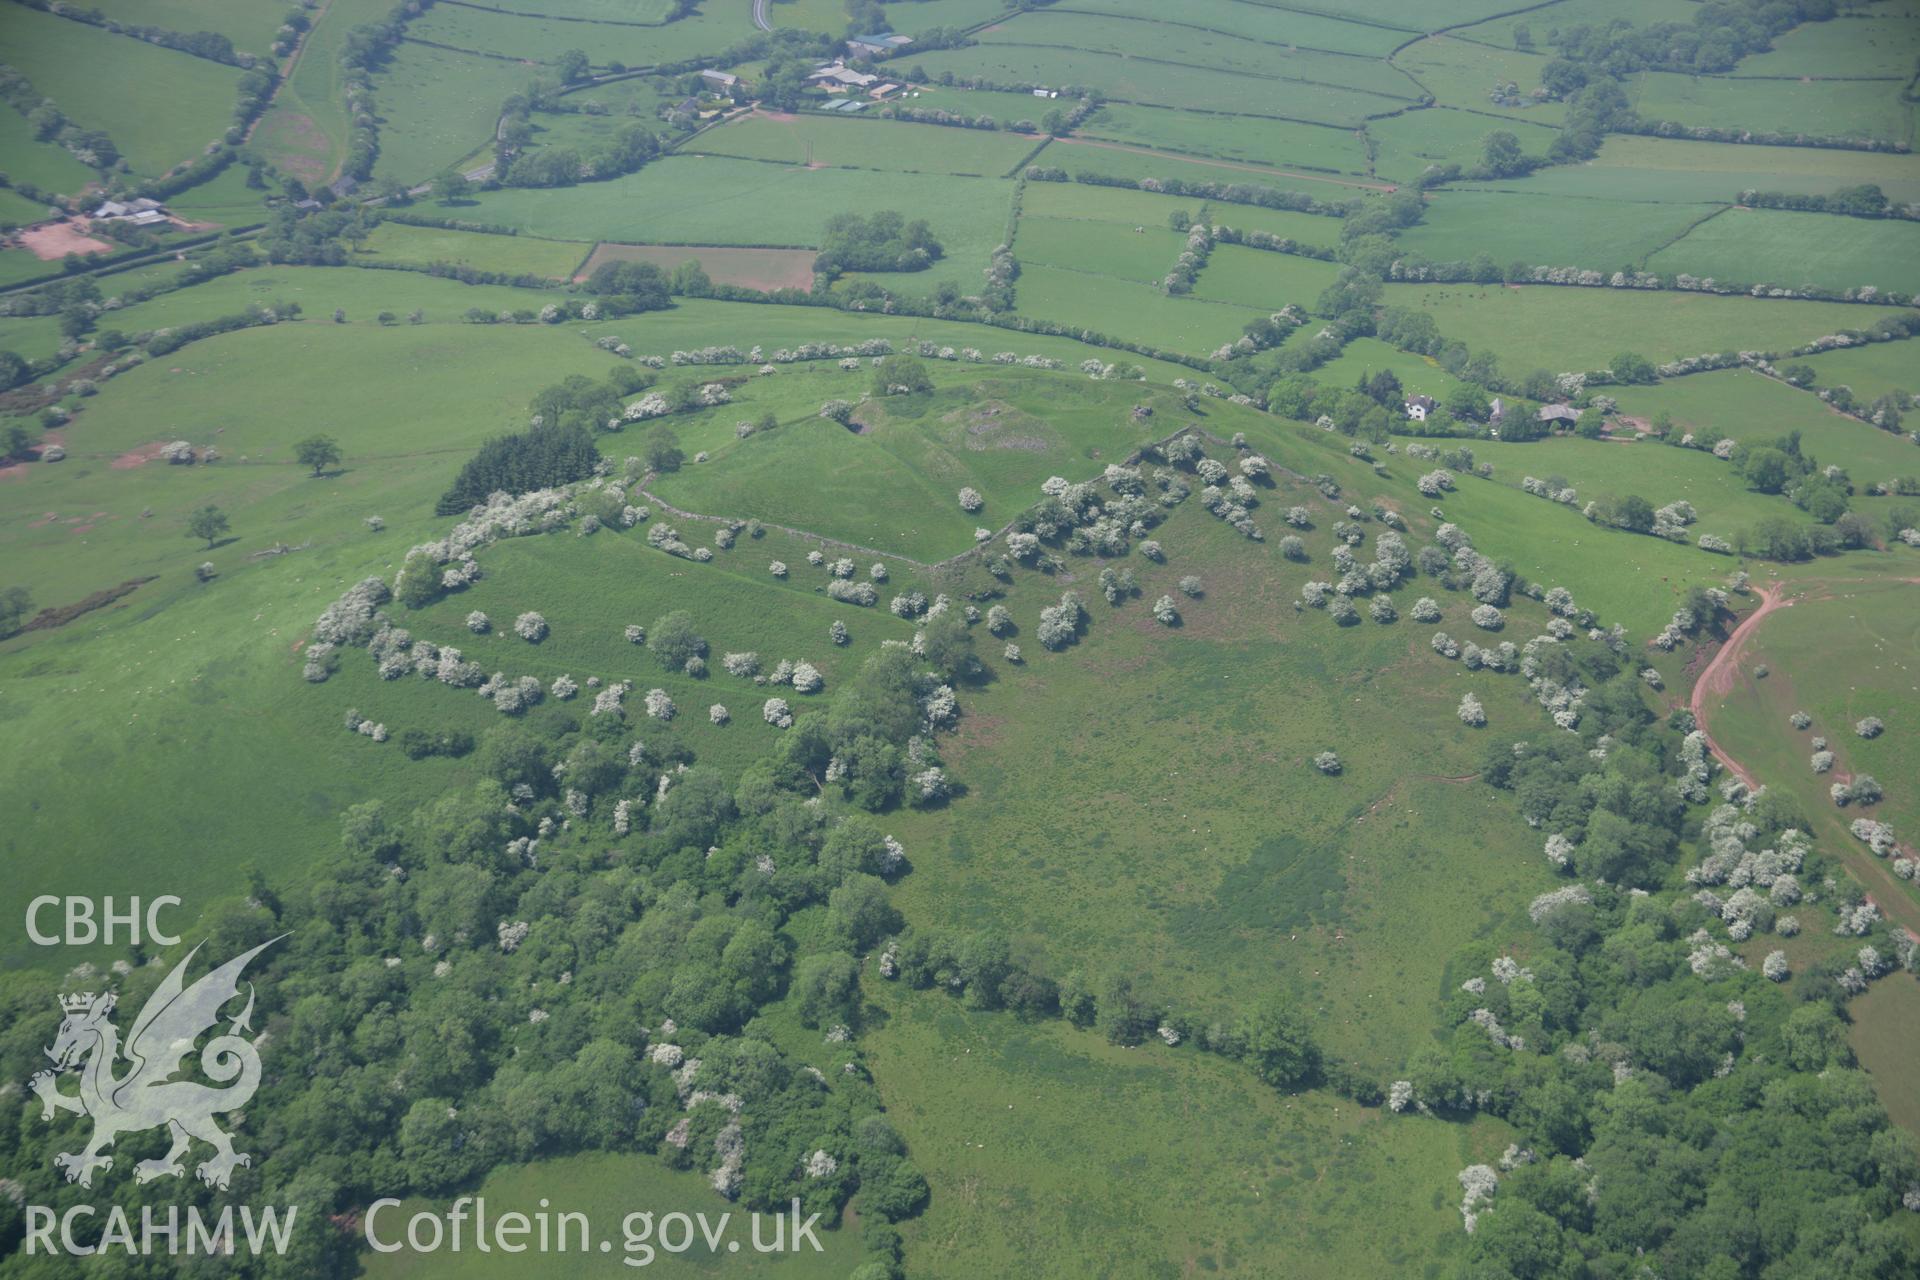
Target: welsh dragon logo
x: 147, y: 1095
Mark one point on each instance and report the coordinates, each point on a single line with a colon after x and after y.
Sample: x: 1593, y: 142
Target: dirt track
x: 1717, y: 681
x: 1718, y: 677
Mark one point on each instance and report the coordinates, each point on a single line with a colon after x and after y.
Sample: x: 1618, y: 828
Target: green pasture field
x: 17, y: 265
x: 363, y: 293
x: 1636, y: 168
x: 607, y: 1188
x: 515, y: 255
x: 227, y: 201
x: 1192, y: 741
x: 1751, y: 406
x: 1263, y: 23
x: 579, y: 129
x: 1798, y: 249
x: 1849, y: 47
x: 648, y: 12
x: 105, y: 81
x: 44, y: 164
x: 1406, y: 144
x: 917, y: 15
x: 1128, y: 207
x: 721, y: 200
x: 1114, y: 159
x: 250, y: 24
x: 1657, y: 472
x: 1141, y: 313
x: 1460, y: 74
x: 1177, y: 45
x: 448, y: 103
x: 1263, y: 280
x: 1196, y: 87
x: 1001, y: 106
x: 1440, y: 13
x: 1365, y: 356
x: 829, y: 17
x: 1885, y: 1035
x: 1211, y: 1173
x: 1872, y: 371
x: 1563, y: 328
x: 1629, y: 578
x: 1252, y: 139
x: 203, y: 679
x: 892, y: 486
x: 305, y: 131
x: 1551, y: 230
x: 1845, y: 108
x: 1566, y: 14
x: 16, y: 208
x: 763, y: 269
x: 884, y: 145
x: 1105, y: 248
x: 1848, y: 647
x: 619, y: 97
x: 709, y: 31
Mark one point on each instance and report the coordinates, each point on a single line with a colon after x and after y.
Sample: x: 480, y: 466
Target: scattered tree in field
x: 1800, y: 720
x: 317, y: 453
x: 970, y: 500
x: 1472, y: 713
x: 1487, y: 618
x: 1425, y: 609
x: 1191, y: 586
x: 777, y: 713
x: 207, y: 524
x: 1060, y: 623
x: 901, y: 375
x: 659, y: 705
x: 16, y: 603
x: 673, y: 639
x: 837, y: 632
x: 1871, y: 727
x: 1327, y: 762
x: 1165, y: 612
x: 530, y: 627
x: 479, y: 623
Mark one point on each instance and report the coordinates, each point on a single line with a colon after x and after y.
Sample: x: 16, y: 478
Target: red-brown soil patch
x: 55, y: 240
x: 138, y: 457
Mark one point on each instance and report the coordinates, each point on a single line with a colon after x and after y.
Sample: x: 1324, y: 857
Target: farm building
x: 721, y: 80
x: 1418, y: 407
x: 880, y: 93
x: 839, y: 77
x: 878, y: 45
x: 1552, y: 413
x: 141, y: 213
